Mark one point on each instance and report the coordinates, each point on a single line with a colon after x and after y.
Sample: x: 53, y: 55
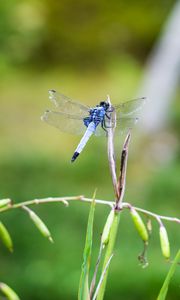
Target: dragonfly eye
x: 104, y: 104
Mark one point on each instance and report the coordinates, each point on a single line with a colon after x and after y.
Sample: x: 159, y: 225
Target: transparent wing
x: 129, y: 107
x: 123, y: 124
x: 65, y: 122
x: 66, y: 105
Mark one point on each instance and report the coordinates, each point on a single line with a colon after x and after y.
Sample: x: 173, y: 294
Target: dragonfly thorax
x: 97, y: 114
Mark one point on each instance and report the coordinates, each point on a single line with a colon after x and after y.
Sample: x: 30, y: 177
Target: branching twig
x: 151, y: 214
x: 66, y: 200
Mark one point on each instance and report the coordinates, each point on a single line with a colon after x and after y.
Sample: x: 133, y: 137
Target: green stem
x: 109, y: 252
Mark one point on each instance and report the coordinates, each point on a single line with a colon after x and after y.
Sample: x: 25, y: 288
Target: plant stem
x: 149, y: 213
x: 102, y: 278
x: 119, y: 190
x: 111, y: 155
x: 66, y: 200
x: 109, y: 252
x: 121, y: 184
x: 93, y: 282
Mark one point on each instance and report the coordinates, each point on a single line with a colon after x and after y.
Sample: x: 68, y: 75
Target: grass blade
x: 102, y: 278
x: 83, y: 293
x: 93, y: 282
x: 164, y: 289
x: 108, y: 254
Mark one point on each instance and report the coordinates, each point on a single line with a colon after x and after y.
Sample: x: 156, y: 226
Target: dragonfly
x: 76, y: 118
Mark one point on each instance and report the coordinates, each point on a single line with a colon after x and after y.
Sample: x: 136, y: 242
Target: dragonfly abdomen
x: 89, y: 131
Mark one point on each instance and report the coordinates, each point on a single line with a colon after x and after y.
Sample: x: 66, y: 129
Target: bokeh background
x: 86, y: 50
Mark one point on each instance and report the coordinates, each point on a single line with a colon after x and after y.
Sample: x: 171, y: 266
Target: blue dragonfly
x: 76, y: 118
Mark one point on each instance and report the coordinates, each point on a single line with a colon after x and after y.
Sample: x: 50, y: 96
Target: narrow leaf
x: 107, y: 228
x: 83, y: 293
x: 8, y: 292
x: 5, y: 237
x: 93, y: 282
x: 109, y: 251
x: 102, y: 278
x: 164, y: 289
x: 41, y: 226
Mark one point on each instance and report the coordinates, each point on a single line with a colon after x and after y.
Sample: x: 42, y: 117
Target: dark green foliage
x: 82, y: 33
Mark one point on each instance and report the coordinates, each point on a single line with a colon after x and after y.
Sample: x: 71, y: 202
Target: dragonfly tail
x: 75, y: 155
x: 89, y: 131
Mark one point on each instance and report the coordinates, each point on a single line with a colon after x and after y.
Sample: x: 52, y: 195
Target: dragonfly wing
x: 129, y: 107
x: 124, y: 124
x: 65, y: 122
x: 66, y: 105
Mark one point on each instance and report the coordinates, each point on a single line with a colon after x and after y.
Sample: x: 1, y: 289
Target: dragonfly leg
x: 107, y: 116
x: 104, y: 126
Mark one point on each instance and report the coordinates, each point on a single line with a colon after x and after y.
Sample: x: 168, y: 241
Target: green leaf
x: 8, y: 292
x: 102, y: 278
x: 107, y: 228
x: 83, y: 293
x: 164, y: 289
x: 108, y: 254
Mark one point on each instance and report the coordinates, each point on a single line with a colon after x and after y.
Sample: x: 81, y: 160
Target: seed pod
x: 5, y: 202
x: 5, y: 237
x: 8, y: 292
x: 139, y: 224
x: 164, y: 241
x: 39, y: 224
x: 107, y: 228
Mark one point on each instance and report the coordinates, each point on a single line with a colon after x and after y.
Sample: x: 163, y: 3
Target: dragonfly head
x: 104, y: 104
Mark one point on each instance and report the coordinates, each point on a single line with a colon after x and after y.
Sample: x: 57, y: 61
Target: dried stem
x: 122, y: 176
x: 111, y: 156
x: 119, y: 188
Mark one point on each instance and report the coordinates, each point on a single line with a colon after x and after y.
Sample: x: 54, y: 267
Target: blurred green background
x: 86, y: 50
